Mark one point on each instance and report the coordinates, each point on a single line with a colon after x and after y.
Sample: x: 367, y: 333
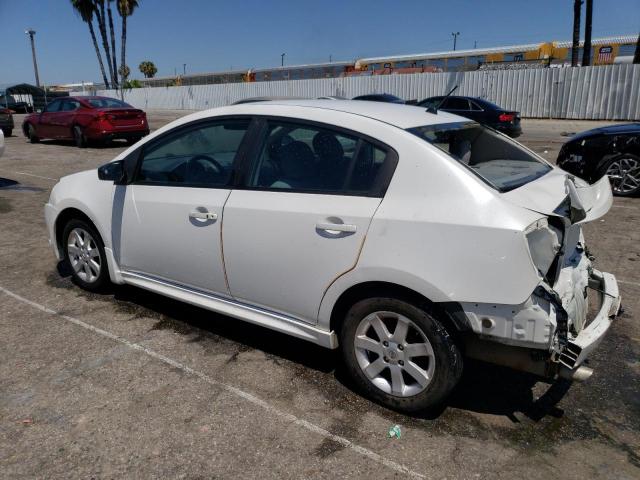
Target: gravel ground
x: 131, y: 384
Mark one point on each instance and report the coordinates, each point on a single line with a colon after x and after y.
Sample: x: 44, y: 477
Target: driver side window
x: 202, y: 156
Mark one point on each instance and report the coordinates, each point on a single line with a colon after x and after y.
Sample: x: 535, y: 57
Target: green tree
x: 125, y: 9
x: 86, y: 9
x: 148, y: 69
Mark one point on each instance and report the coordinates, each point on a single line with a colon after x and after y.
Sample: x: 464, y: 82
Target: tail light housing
x: 507, y: 117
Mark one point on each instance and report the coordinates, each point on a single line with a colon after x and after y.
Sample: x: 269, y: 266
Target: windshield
x: 107, y: 103
x: 498, y: 160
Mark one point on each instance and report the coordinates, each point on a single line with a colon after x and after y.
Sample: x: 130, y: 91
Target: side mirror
x: 112, y: 172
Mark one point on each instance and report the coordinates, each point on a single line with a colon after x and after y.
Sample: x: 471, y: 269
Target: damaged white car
x: 405, y: 238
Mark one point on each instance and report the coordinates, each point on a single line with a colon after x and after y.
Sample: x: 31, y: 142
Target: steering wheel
x: 210, y: 160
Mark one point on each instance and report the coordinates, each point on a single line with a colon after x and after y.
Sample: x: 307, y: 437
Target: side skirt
x: 258, y: 316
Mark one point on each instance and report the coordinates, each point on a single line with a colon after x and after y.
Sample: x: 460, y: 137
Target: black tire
x: 7, y: 132
x: 78, y: 136
x: 133, y: 141
x: 447, y: 355
x: 102, y: 279
x: 31, y: 134
x: 619, y: 190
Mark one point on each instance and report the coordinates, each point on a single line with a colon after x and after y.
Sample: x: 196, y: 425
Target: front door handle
x: 203, y: 215
x: 336, y: 227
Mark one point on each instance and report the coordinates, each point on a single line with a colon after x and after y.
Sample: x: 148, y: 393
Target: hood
x: 560, y: 194
x: 624, y: 128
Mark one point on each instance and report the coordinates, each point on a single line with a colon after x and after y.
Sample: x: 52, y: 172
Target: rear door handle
x: 203, y: 215
x: 336, y: 227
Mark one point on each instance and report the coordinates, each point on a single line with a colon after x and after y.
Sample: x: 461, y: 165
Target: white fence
x: 593, y: 93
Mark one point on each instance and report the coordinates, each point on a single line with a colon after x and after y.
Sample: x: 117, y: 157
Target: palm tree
x: 148, y: 69
x: 577, y: 7
x: 125, y: 9
x: 86, y: 8
x: 636, y: 56
x: 102, y: 26
x: 113, y: 44
x: 588, y: 21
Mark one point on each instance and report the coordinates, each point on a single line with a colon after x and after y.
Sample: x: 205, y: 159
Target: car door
x: 300, y: 218
x: 62, y: 122
x: 172, y: 212
x: 46, y: 120
x: 458, y: 105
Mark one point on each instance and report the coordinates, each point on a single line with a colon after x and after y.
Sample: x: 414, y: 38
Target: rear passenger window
x: 454, y: 103
x: 307, y: 158
x: 202, y: 156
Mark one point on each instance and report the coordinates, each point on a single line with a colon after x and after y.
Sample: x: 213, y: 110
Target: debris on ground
x: 394, y: 432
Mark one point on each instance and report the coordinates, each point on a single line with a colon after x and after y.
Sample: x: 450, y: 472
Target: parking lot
x: 132, y: 384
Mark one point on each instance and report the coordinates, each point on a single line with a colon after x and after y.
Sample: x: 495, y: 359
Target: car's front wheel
x: 84, y: 252
x: 624, y: 173
x: 400, y: 355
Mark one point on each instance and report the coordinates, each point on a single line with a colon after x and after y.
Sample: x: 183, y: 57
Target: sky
x: 213, y: 35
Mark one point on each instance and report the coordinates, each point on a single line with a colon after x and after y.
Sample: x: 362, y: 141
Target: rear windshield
x: 498, y: 160
x: 107, y: 103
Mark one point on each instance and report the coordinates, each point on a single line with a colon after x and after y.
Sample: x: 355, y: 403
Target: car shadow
x: 483, y: 387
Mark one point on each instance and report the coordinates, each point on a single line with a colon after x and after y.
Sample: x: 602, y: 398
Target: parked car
x: 6, y: 121
x: 480, y: 110
x: 613, y: 151
x: 380, y: 97
x: 16, y: 106
x: 83, y: 119
x: 402, y: 237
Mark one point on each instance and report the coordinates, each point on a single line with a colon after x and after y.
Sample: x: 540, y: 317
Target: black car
x: 612, y: 151
x: 380, y: 97
x: 6, y: 121
x: 479, y: 110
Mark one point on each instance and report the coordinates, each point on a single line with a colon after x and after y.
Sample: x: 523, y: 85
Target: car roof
x: 401, y: 116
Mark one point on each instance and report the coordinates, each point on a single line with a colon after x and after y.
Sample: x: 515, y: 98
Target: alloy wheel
x: 84, y: 255
x: 400, y: 362
x: 624, y: 174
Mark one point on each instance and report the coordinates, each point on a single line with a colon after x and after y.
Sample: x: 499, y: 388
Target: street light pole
x: 455, y: 38
x: 282, y: 59
x: 184, y: 69
x: 31, y: 33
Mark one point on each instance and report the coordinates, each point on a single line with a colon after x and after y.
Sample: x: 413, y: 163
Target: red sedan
x: 86, y: 118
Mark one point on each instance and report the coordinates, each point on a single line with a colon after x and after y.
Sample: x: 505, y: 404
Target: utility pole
x: 588, y: 20
x: 282, y: 59
x: 577, y: 7
x: 31, y: 33
x: 329, y: 58
x: 184, y: 69
x: 636, y: 56
x: 455, y: 38
x: 475, y: 44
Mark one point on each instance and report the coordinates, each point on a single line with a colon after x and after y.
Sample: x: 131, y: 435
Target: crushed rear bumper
x: 580, y: 346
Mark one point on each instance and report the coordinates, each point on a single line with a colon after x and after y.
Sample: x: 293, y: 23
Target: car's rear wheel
x: 7, y: 132
x: 400, y: 355
x: 31, y: 134
x: 84, y: 252
x: 624, y: 173
x: 132, y: 141
x: 79, y: 137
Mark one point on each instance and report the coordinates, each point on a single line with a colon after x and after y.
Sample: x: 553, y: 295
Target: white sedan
x: 402, y: 237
